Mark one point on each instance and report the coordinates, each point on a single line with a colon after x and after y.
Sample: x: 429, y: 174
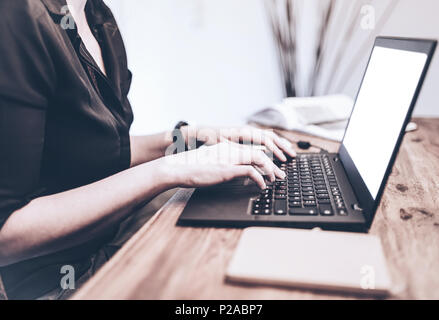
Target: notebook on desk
x: 334, y: 261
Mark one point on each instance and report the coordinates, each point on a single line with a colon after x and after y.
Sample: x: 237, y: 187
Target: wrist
x: 180, y: 139
x: 167, y: 173
x: 189, y: 133
x: 195, y: 137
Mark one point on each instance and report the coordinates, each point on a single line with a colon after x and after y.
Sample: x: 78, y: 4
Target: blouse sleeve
x: 27, y: 79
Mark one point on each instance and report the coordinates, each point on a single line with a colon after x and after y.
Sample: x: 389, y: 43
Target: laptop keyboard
x: 310, y: 189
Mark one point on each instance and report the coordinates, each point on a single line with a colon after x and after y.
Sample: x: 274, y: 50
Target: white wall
x: 205, y: 61
x: 214, y: 61
x: 420, y: 19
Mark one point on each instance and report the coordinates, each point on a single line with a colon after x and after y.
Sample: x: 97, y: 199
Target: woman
x: 69, y: 171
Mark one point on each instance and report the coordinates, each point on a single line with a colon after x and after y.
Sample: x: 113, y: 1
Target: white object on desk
x: 324, y: 116
x: 341, y: 261
x: 411, y: 127
x: 317, y: 110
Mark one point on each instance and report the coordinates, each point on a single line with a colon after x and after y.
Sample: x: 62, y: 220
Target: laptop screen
x: 383, y: 102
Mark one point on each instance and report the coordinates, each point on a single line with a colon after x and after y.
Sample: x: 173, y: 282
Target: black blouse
x: 63, y: 123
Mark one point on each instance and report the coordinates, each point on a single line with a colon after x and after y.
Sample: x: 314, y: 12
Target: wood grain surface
x: 163, y: 261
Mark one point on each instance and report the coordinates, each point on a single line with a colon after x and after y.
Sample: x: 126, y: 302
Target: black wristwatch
x: 177, y: 135
x: 181, y: 124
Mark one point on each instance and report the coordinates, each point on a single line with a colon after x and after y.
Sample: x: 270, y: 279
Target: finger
x: 252, y: 173
x: 264, y: 163
x: 279, y: 173
x: 286, y: 146
x: 247, y: 155
x: 261, y: 137
x: 267, y: 138
x: 282, y: 143
x: 261, y: 157
x: 270, y: 144
x: 276, y: 170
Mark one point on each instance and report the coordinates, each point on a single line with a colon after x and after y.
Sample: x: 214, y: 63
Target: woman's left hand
x: 279, y: 146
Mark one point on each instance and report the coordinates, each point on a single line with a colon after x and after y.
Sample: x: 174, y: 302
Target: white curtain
x: 215, y: 61
x: 205, y: 61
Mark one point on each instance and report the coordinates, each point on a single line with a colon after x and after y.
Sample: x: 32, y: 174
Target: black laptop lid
x: 383, y: 108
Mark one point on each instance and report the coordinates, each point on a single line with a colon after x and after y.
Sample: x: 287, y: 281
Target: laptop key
x: 312, y: 211
x: 309, y: 203
x: 280, y: 207
x: 326, y: 210
x: 340, y: 206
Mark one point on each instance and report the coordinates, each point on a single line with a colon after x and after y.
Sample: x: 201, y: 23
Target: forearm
x: 57, y: 222
x: 149, y: 148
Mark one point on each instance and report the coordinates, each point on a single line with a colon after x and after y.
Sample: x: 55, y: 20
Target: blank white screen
x: 380, y: 110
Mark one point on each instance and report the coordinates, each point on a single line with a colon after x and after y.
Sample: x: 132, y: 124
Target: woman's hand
x: 220, y: 163
x: 280, y: 147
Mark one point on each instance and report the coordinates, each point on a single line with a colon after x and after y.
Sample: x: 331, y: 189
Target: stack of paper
x: 324, y: 116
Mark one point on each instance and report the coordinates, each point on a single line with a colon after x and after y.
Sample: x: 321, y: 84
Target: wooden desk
x: 163, y: 261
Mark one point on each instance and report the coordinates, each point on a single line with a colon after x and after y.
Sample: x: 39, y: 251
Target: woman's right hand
x: 220, y: 163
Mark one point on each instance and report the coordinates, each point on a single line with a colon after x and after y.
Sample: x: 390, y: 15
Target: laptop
x: 333, y: 191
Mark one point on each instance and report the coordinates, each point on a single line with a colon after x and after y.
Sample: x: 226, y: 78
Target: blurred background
x: 215, y: 62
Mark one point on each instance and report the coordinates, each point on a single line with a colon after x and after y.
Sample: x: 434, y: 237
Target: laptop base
x: 230, y: 205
